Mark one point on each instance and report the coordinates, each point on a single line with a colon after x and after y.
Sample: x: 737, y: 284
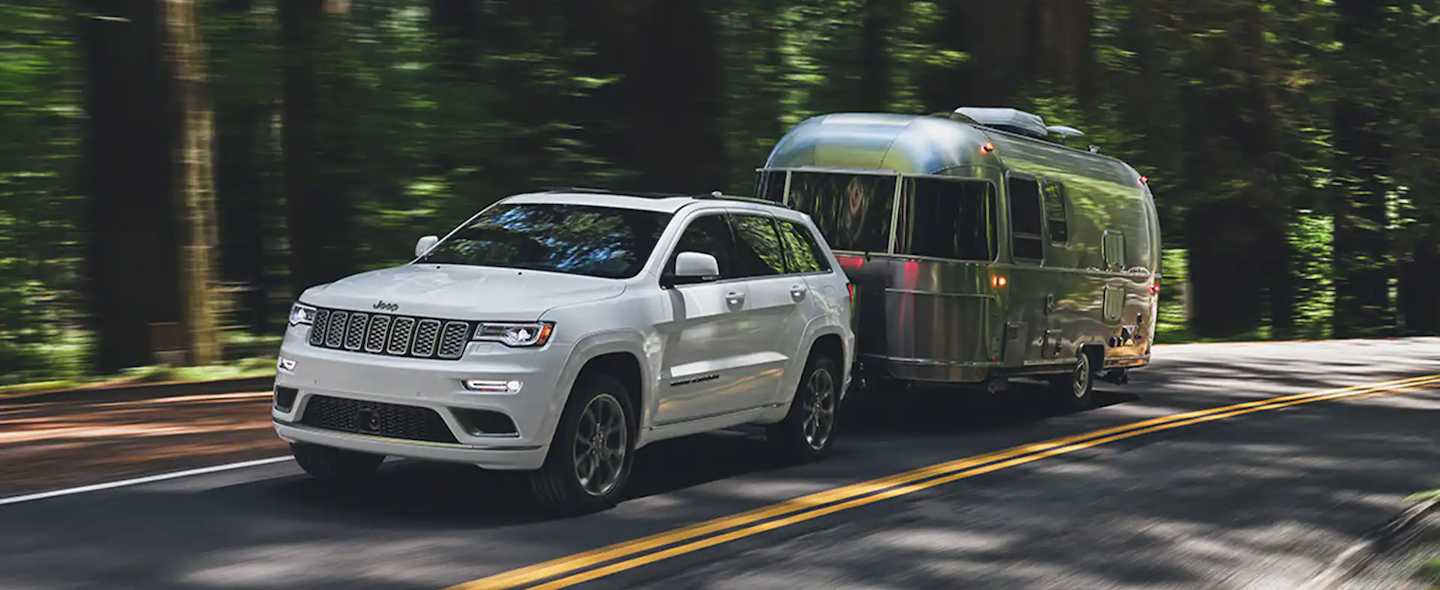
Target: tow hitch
x: 1116, y: 376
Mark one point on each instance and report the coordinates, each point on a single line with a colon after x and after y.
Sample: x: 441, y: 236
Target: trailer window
x: 1026, y: 219
x: 851, y: 210
x: 1055, y: 216
x: 770, y: 185
x: 951, y: 219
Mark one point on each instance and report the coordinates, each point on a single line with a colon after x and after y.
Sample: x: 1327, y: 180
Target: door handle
x: 735, y: 298
x: 798, y: 292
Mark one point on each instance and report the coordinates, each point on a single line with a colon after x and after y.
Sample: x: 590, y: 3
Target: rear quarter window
x: 802, y: 253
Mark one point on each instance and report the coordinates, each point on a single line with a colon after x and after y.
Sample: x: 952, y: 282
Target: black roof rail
x: 757, y: 200
x: 606, y: 191
x: 657, y: 195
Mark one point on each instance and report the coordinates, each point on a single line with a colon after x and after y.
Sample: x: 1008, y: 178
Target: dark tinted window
x: 577, y: 239
x: 1025, y: 219
x: 757, y: 252
x: 1055, y: 214
x: 770, y: 186
x: 947, y: 219
x: 802, y: 254
x: 708, y: 234
x: 851, y: 210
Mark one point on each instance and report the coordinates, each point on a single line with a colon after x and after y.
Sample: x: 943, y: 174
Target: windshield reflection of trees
x: 577, y: 239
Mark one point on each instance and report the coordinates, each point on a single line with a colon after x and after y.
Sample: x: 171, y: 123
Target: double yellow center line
x: 631, y: 554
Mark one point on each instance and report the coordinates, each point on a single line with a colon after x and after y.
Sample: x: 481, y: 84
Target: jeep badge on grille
x: 387, y: 306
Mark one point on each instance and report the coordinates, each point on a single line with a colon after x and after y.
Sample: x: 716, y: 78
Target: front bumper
x: 488, y: 456
x: 431, y: 385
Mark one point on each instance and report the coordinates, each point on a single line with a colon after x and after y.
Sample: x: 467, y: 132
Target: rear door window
x: 757, y: 251
x: 951, y: 219
x: 853, y: 211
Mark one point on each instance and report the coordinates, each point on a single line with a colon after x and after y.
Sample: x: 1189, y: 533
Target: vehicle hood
x: 461, y: 292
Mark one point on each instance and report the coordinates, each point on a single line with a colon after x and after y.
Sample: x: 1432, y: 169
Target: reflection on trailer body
x: 979, y: 249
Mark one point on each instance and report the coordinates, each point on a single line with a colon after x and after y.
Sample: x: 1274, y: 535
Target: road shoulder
x: 1393, y: 557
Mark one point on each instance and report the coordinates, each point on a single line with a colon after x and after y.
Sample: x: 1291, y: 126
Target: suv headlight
x: 518, y: 334
x: 301, y: 314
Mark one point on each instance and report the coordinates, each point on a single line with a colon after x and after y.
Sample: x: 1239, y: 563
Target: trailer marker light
x: 997, y: 281
x: 987, y: 148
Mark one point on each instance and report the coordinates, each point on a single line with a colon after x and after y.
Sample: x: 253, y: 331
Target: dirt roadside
x: 57, y: 443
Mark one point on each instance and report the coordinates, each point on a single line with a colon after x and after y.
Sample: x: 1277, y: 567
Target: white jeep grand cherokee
x: 558, y: 332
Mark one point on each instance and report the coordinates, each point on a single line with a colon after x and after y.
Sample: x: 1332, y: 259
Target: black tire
x: 1074, y: 391
x: 333, y: 465
x: 793, y: 437
x: 558, y: 485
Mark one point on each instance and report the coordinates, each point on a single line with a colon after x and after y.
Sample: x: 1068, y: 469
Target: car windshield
x: 607, y: 242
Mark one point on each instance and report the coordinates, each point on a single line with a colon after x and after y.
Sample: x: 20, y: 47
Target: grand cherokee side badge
x: 387, y: 306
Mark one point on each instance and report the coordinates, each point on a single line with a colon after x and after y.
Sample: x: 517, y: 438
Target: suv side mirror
x: 424, y: 245
x: 694, y: 267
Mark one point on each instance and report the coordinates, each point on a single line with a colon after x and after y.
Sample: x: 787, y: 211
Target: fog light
x: 483, y: 386
x: 285, y: 364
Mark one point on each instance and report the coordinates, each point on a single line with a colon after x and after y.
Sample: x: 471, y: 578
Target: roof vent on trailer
x: 1014, y: 121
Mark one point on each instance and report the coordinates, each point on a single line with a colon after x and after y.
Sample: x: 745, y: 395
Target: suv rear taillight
x: 851, y: 288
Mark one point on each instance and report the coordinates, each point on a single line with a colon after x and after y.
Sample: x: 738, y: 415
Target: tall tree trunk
x: 1225, y: 275
x: 132, y: 255
x: 454, y: 24
x: 877, y: 68
x: 1420, y: 281
x: 318, y: 214
x: 676, y: 95
x: 1419, y: 284
x: 1362, y: 267
x: 240, y: 191
x: 1062, y: 50
x: 1261, y: 138
x: 192, y: 122
x: 944, y: 88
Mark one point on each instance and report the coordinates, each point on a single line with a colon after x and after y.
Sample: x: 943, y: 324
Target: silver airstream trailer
x: 979, y: 248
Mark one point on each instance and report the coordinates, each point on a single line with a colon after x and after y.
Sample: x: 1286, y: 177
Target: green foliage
x: 1310, y: 238
x: 1226, y: 101
x: 39, y: 247
x: 1430, y: 571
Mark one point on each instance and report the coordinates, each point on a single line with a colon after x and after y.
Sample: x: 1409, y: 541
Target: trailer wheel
x: 1074, y: 391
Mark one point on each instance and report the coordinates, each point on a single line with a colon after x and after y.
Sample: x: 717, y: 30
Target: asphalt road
x: 1259, y: 499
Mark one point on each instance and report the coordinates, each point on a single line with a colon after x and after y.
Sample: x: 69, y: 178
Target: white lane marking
x: 143, y: 480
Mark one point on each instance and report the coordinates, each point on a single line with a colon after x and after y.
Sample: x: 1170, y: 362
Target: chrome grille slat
x: 427, y: 332
x: 403, y: 336
x: 317, y: 327
x: 452, y: 342
x: 400, y: 336
x: 355, y: 332
x: 379, y: 329
x: 335, y: 336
